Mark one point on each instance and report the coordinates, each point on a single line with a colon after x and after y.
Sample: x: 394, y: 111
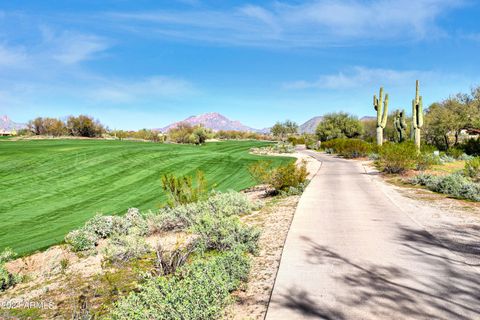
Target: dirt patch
x: 274, y: 220
x: 63, y: 282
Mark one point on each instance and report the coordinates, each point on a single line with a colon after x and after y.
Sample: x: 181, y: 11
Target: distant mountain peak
x: 211, y: 120
x: 310, y: 126
x: 7, y: 125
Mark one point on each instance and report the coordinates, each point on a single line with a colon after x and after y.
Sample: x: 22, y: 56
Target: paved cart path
x: 354, y: 252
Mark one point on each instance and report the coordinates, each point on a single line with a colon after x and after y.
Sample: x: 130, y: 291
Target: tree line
x: 77, y: 126
x: 447, y: 123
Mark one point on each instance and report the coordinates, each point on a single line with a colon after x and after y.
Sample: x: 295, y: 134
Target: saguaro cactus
x: 417, y: 116
x: 382, y: 113
x: 400, y: 125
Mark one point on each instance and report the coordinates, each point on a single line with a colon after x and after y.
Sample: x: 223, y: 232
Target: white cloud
x: 11, y: 56
x: 80, y: 48
x: 70, y: 47
x: 360, y: 76
x: 121, y: 91
x: 311, y: 23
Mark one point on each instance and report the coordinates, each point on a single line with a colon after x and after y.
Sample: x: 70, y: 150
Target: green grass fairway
x: 50, y: 187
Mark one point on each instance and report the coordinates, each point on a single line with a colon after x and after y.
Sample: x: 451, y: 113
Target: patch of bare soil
x: 59, y: 283
x: 274, y: 220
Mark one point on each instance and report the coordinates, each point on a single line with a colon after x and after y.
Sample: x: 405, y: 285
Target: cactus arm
x: 375, y: 102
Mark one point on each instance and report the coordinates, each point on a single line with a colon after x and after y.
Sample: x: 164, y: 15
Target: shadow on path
x: 453, y: 292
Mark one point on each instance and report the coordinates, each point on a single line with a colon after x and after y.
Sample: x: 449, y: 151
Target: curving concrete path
x: 354, y: 252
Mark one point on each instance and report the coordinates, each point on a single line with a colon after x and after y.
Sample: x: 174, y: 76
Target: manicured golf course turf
x: 49, y: 187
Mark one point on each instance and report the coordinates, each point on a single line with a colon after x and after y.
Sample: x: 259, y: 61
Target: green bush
x: 397, y: 157
x: 426, y: 160
x: 294, y: 191
x: 280, y: 147
x: 7, y: 279
x: 348, y: 148
x: 200, y: 290
x: 81, y: 240
x: 454, y: 152
x: 279, y: 178
x: 181, y: 217
x: 102, y: 227
x: 454, y: 185
x: 176, y: 218
x: 472, y: 168
x: 134, y: 223
x: 225, y: 233
x: 182, y: 190
x: 445, y: 158
x: 230, y: 203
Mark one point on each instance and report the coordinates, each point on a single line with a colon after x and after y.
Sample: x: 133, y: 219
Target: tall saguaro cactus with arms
x: 381, y: 107
x: 417, y: 116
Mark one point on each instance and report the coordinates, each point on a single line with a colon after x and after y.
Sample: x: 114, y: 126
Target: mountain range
x: 7, y: 125
x: 214, y: 121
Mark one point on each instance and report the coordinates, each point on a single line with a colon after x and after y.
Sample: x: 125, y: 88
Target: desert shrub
x: 121, y: 248
x: 7, y: 279
x: 230, y: 203
x: 373, y: 156
x: 311, y: 142
x: 348, y: 148
x: 455, y: 153
x: 397, y: 157
x: 294, y: 191
x: 445, y: 158
x: 167, y: 262
x: 104, y: 226
x: 183, y: 216
x: 175, y: 218
x: 225, y: 233
x: 424, y: 179
x: 200, y: 290
x: 280, y: 147
x: 134, y: 223
x: 279, y: 178
x: 426, y: 160
x: 182, y: 190
x: 81, y: 240
x: 465, y: 157
x: 472, y: 168
x: 454, y: 185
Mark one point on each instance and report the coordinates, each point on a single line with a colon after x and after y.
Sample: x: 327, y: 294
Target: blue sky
x: 136, y: 64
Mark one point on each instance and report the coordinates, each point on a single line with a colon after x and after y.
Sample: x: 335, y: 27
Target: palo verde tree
x: 339, y: 125
x: 381, y: 107
x: 284, y: 129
